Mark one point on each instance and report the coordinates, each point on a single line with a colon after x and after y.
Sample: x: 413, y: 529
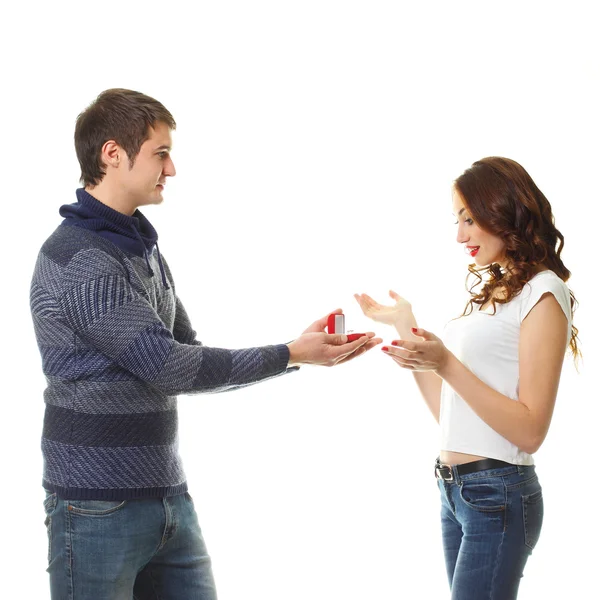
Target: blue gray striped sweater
x: 117, y: 348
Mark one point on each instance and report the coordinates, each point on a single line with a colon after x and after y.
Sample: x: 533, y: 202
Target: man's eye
x: 163, y: 154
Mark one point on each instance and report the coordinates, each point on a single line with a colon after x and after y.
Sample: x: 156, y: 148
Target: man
x: 117, y: 348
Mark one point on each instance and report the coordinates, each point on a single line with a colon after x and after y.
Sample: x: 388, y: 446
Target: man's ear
x: 112, y: 154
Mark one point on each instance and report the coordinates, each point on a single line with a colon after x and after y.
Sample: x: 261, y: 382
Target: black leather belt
x: 444, y: 472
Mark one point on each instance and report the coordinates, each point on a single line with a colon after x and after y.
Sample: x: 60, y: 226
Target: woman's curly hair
x: 503, y: 200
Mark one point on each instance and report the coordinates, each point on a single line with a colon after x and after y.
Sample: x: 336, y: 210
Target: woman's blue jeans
x: 126, y: 550
x: 491, y: 521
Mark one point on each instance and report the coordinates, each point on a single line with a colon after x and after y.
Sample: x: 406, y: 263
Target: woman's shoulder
x: 541, y: 283
x: 547, y: 280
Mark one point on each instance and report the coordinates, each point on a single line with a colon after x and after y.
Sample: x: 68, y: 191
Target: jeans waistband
x: 455, y: 472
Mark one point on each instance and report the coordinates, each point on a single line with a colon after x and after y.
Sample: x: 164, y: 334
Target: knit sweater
x: 117, y: 348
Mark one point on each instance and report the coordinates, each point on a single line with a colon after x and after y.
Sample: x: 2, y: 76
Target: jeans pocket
x: 484, y: 495
x: 49, y: 506
x: 533, y: 517
x: 95, y: 508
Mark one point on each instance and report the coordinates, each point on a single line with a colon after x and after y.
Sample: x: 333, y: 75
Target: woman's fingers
x: 366, y: 301
x: 402, y: 363
x: 362, y: 302
x: 367, y: 304
x: 408, y: 345
x: 369, y: 301
x: 426, y: 335
x: 406, y: 366
x: 405, y: 356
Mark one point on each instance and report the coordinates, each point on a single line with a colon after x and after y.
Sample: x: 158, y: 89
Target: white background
x: 316, y: 145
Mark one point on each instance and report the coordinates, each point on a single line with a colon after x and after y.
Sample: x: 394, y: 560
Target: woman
x: 492, y: 381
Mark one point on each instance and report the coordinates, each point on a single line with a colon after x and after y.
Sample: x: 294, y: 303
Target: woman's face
x: 482, y: 246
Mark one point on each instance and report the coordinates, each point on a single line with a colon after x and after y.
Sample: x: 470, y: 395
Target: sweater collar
x: 90, y: 213
x: 132, y: 234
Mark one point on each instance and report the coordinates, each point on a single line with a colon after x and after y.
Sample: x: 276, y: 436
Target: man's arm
x: 99, y: 303
x: 183, y: 331
x: 101, y: 306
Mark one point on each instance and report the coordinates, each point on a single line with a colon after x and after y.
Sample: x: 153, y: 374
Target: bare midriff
x: 457, y: 458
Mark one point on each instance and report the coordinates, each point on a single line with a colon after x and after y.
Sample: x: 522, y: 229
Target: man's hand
x: 321, y: 324
x: 328, y: 349
x: 315, y: 347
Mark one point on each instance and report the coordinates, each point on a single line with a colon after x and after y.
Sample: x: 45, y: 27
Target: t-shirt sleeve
x: 537, y: 287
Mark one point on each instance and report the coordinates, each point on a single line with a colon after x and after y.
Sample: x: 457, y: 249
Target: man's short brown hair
x: 117, y: 114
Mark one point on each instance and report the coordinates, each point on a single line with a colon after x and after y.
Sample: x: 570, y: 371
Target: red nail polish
x: 413, y: 329
x: 385, y: 348
x: 394, y: 343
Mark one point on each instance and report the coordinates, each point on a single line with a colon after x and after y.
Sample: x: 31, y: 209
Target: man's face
x: 144, y: 183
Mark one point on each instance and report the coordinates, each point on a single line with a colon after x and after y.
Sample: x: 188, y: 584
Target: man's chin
x: 155, y: 198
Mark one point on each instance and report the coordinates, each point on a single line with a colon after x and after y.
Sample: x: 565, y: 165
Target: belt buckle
x: 444, y: 472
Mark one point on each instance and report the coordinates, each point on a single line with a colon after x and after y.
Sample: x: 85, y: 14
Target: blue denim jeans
x: 491, y: 521
x: 127, y: 550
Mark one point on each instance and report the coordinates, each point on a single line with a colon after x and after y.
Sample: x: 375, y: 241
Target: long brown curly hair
x: 503, y: 200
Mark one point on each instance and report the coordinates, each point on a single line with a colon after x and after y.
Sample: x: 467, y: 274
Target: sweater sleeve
x: 182, y: 329
x: 106, y: 312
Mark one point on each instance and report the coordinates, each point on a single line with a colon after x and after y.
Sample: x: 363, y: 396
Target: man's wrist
x: 293, y: 360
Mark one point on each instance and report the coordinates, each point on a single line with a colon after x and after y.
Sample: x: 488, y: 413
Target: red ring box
x: 337, y: 324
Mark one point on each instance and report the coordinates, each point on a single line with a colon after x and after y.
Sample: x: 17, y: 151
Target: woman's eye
x: 469, y: 221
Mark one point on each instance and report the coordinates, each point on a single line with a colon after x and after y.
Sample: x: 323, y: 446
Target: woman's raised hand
x: 398, y: 315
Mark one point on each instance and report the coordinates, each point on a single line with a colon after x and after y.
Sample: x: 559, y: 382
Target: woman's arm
x: 430, y: 386
x: 428, y: 382
x: 542, y: 343
x: 401, y: 317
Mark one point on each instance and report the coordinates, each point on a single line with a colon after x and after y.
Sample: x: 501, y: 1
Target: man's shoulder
x: 72, y: 256
x: 68, y: 242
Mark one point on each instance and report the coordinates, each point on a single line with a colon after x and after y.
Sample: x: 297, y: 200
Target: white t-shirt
x: 488, y: 345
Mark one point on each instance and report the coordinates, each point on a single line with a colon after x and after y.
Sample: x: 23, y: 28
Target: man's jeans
x: 124, y: 550
x: 491, y: 521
